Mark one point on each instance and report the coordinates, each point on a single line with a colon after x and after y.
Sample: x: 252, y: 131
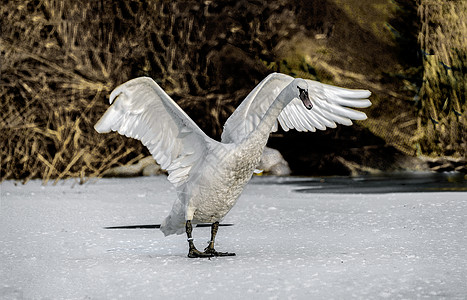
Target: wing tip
x: 108, y: 121
x: 101, y: 126
x: 100, y: 129
x: 365, y: 93
x: 366, y: 103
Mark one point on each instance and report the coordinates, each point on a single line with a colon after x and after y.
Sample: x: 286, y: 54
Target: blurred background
x: 61, y: 59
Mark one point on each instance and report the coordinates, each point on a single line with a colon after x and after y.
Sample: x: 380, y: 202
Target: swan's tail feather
x: 155, y: 226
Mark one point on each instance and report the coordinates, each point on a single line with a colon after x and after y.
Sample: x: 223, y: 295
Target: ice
x: 290, y: 244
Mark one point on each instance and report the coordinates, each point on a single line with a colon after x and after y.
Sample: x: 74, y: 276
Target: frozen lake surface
x: 295, y: 238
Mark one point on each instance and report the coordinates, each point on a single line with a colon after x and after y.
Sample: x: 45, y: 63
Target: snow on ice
x: 295, y: 238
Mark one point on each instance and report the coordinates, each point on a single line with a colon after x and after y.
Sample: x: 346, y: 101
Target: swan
x: 209, y: 175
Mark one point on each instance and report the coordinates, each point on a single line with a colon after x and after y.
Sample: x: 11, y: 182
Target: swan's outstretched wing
x: 249, y: 113
x: 142, y: 110
x: 330, y: 106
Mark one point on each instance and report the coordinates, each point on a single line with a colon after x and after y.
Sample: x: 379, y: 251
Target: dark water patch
x: 377, y: 184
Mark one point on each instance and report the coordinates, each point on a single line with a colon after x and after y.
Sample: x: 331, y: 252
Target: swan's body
x: 210, y: 175
x: 221, y: 179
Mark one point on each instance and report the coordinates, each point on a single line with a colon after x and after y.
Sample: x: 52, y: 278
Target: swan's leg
x: 193, y: 252
x: 210, y: 249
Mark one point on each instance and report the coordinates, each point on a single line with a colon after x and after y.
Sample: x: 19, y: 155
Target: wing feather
x: 331, y: 106
x: 250, y: 112
x: 142, y: 110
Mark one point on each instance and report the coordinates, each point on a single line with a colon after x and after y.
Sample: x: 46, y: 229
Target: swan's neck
x: 254, y: 144
x: 270, y: 117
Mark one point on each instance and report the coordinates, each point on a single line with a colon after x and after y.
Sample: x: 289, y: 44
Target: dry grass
x: 60, y: 60
x: 55, y: 78
x: 443, y: 38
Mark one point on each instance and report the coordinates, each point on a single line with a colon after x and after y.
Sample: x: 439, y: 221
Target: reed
x: 55, y: 78
x: 442, y: 121
x: 60, y: 60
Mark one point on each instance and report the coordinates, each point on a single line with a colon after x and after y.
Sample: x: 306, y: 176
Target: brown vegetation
x: 442, y: 126
x: 60, y: 60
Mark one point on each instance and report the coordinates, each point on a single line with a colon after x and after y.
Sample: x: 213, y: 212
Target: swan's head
x: 302, y: 92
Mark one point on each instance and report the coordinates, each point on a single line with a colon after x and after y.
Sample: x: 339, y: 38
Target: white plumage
x: 210, y: 175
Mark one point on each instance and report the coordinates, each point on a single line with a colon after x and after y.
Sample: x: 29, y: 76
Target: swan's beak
x: 306, y: 99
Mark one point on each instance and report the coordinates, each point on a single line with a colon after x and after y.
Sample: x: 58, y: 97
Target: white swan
x: 210, y: 175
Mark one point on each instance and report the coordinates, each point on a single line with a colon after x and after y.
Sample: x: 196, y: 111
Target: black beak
x: 305, y: 99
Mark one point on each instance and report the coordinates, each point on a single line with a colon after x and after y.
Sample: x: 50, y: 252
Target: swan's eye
x: 302, y: 92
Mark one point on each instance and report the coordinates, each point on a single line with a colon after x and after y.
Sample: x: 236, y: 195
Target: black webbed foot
x: 215, y: 253
x: 195, y: 253
x: 209, y: 251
